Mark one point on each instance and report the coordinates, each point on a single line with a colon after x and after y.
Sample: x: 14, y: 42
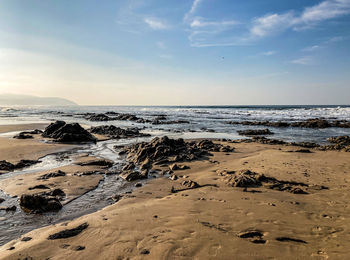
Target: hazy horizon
x: 184, y: 52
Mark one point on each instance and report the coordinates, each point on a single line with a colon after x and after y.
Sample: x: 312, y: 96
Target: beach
x: 242, y: 200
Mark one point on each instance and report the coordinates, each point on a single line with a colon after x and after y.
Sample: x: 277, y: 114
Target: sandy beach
x: 168, y: 219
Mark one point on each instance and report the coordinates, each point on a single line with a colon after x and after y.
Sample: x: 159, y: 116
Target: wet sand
x: 216, y: 220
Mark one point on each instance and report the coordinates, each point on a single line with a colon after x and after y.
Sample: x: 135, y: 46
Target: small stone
x: 25, y: 239
x: 144, y: 252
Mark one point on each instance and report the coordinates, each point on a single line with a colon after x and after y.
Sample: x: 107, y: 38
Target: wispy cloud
x: 323, y: 44
x: 200, y: 22
x: 306, y: 60
x: 193, y: 9
x: 310, y: 17
x: 312, y: 48
x: 268, y: 53
x: 271, y: 23
x: 156, y: 24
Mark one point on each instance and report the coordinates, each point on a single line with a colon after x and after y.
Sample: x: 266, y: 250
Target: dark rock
x: 158, y: 122
x: 2, y: 200
x: 312, y: 123
x: 165, y: 150
x: 98, y: 162
x: 245, y: 178
x: 26, y: 163
x: 11, y: 208
x: 98, y: 117
x: 23, y: 136
x: 250, y: 132
x: 302, y: 151
x: 250, y: 234
x: 144, y: 252
x: 173, y: 177
x: 129, y: 167
x: 338, y: 143
x: 69, y: 232
x: 40, y: 187
x: 175, y: 167
x: 288, y: 239
x: 137, y: 185
x: 59, y: 173
x: 117, y: 132
x: 160, y: 118
x: 33, y: 132
x: 78, y: 248
x: 11, y: 248
x: 52, y: 128
x: 39, y: 203
x: 6, y: 166
x: 58, y: 193
x: 68, y: 133
x: 25, y: 239
x: 305, y: 144
x: 133, y: 175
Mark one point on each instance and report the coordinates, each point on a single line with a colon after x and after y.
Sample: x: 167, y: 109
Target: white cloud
x: 306, y: 60
x: 269, y: 53
x: 312, y: 48
x: 271, y: 23
x: 199, y: 22
x: 155, y: 23
x: 311, y: 16
x: 193, y: 9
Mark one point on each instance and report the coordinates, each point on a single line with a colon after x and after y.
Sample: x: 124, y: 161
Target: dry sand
x: 206, y: 222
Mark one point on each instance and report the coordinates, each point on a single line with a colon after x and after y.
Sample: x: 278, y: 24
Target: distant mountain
x: 27, y: 100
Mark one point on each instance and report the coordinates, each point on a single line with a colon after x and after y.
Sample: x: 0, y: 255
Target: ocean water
x: 205, y: 122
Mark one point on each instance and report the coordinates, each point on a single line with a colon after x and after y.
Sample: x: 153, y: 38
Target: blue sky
x: 183, y: 52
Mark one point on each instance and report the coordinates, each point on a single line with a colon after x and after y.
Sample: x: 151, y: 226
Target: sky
x: 183, y: 52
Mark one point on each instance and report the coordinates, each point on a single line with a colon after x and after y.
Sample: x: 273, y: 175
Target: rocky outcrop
x: 250, y: 132
x: 248, y: 179
x: 117, y: 132
x: 169, y: 150
x: 68, y: 133
x: 166, y: 151
x: 98, y: 117
x: 309, y: 123
x: 39, y: 203
x: 338, y: 143
x: 7, y: 166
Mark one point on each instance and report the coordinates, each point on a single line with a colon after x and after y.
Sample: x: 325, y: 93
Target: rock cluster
x: 165, y: 151
x: 309, y: 123
x: 250, y: 132
x: 7, y: 166
x: 249, y: 179
x: 27, y: 134
x: 117, y: 132
x: 338, y: 143
x: 110, y: 116
x: 68, y: 133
